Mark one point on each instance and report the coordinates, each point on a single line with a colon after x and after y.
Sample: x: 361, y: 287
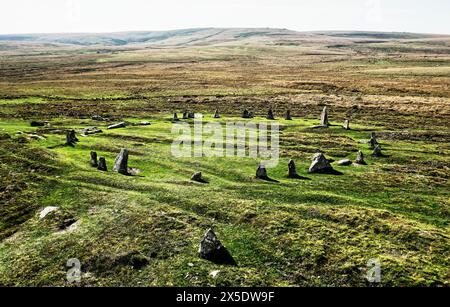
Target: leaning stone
x: 212, y: 249
x: 118, y: 125
x: 270, y: 114
x: 346, y: 124
x: 344, y: 162
x: 319, y: 163
x: 121, y: 162
x: 71, y: 138
x: 102, y: 164
x: 216, y: 114
x: 46, y: 211
x: 197, y: 177
x: 318, y: 126
x: 94, y: 162
x: 288, y: 115
x: 360, y: 158
x: 377, y: 151
x: 292, y: 172
x: 324, y: 117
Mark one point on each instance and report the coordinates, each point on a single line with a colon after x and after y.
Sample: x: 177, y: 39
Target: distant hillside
x: 203, y: 36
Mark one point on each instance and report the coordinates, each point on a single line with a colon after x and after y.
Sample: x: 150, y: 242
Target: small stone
x: 185, y: 115
x: 319, y: 164
x: 46, y: 211
x: 191, y: 115
x: 102, y: 164
x: 94, y: 162
x: 346, y: 125
x: 377, y: 151
x: 97, y: 118
x: 118, y: 125
x: 288, y: 115
x: 292, y: 172
x: 121, y: 162
x: 344, y: 162
x: 245, y: 114
x: 216, y: 114
x: 214, y: 273
x: 360, y: 158
x: 197, y: 177
x: 175, y: 117
x: 37, y: 124
x: 373, y: 140
x: 90, y: 130
x: 212, y: 249
x: 270, y: 114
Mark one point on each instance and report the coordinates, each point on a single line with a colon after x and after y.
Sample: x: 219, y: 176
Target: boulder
x: 212, y: 249
x: 346, y: 125
x: 118, y: 125
x: 344, y: 162
x: 319, y: 164
x: 292, y: 172
x: 94, y: 162
x: 102, y: 164
x: 121, y: 162
x: 216, y: 114
x: 270, y: 114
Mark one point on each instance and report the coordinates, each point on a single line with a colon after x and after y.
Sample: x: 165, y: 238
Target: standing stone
x: 212, y: 249
x: 102, y: 164
x: 71, y: 138
x: 373, y: 140
x: 191, y: 115
x: 270, y: 114
x: 292, y: 172
x: 324, y: 117
x: 185, y: 115
x: 261, y: 172
x: 377, y: 151
x: 216, y: 114
x: 288, y: 115
x: 250, y: 114
x: 360, y: 158
x: 319, y: 163
x: 94, y: 162
x: 121, y: 162
x: 197, y: 177
x: 175, y: 117
x: 346, y: 124
x: 245, y: 114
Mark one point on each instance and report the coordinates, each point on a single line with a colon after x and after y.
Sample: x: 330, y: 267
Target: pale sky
x: 59, y: 16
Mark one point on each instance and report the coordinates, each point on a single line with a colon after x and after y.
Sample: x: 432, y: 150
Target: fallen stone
x: 90, y: 130
x: 212, y: 249
x: 319, y: 164
x: 94, y: 162
x: 270, y: 114
x: 121, y: 162
x: 346, y: 125
x: 292, y: 172
x: 216, y: 114
x: 344, y: 162
x: 37, y: 124
x: 46, y: 211
x: 360, y: 158
x: 102, y: 164
x: 288, y: 115
x: 118, y: 125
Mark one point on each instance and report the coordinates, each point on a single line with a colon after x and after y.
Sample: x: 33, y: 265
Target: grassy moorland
x: 144, y: 230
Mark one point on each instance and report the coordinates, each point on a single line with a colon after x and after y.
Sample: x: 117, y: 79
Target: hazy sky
x: 42, y: 16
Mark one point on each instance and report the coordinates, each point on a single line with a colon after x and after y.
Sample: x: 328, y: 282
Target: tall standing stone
x: 121, y: 162
x: 319, y: 164
x: 360, y: 158
x: 71, y: 137
x: 102, y: 164
x: 270, y: 114
x: 94, y: 162
x: 346, y: 124
x: 216, y: 114
x: 324, y: 117
x: 292, y: 171
x: 288, y: 115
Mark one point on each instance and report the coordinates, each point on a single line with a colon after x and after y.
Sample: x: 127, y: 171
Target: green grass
x: 320, y: 231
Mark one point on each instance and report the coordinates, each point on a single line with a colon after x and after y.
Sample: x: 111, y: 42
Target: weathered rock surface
x: 212, y: 249
x: 121, y: 162
x: 102, y: 164
x: 118, y: 125
x: 319, y: 164
x: 94, y: 162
